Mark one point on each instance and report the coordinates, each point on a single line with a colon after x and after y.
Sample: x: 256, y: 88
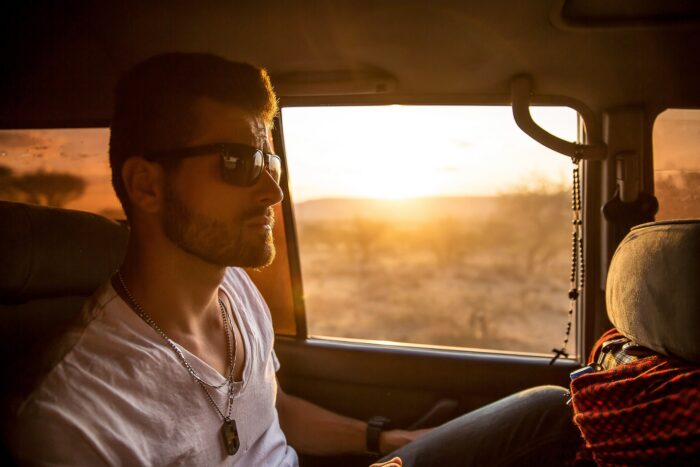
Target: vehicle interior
x: 420, y: 298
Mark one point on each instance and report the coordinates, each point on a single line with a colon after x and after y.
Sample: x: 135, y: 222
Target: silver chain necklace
x: 229, y: 432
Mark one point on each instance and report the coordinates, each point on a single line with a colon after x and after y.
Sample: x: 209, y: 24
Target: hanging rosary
x: 576, y: 278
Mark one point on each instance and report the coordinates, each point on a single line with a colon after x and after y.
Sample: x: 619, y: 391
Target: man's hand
x: 391, y: 440
x: 395, y: 462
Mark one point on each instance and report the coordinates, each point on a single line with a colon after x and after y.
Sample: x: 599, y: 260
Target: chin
x: 228, y: 250
x: 266, y: 257
x: 250, y: 256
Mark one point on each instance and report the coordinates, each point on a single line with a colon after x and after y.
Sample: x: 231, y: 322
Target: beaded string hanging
x: 577, y: 275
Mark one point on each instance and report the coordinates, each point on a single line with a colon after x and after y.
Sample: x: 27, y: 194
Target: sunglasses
x: 241, y: 165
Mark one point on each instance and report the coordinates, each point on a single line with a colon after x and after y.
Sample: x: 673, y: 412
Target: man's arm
x: 311, y: 429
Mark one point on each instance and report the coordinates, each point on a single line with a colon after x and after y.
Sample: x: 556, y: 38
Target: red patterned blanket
x: 644, y: 412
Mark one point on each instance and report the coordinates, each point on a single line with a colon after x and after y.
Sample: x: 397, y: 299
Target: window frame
x: 584, y: 334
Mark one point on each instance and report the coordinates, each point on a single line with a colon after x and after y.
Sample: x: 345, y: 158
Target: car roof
x: 63, y: 59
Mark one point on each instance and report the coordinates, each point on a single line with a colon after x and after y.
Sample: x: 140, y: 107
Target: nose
x: 269, y: 191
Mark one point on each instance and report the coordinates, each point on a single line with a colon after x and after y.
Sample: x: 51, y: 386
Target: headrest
x: 653, y: 288
x: 50, y: 252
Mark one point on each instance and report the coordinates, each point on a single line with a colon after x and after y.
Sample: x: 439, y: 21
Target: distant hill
x: 460, y: 208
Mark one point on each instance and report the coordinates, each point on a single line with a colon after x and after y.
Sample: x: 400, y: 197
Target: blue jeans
x: 533, y: 427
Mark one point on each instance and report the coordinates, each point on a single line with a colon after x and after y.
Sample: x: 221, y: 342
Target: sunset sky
x: 387, y: 152
x: 411, y: 151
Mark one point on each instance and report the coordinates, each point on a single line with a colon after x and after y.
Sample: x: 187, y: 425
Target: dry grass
x: 495, y: 280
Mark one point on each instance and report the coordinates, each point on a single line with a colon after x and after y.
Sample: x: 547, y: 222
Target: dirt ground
x: 495, y: 280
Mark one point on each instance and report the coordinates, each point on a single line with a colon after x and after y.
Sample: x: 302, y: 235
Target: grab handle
x: 520, y: 90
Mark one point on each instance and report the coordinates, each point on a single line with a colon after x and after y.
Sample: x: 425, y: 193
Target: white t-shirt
x: 120, y: 396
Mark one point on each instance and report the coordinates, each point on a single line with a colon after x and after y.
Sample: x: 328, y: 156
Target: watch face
x: 379, y: 421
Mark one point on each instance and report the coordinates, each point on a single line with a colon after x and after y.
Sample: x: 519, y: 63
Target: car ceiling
x: 62, y: 59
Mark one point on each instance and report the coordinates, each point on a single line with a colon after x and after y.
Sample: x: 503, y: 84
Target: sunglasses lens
x: 245, y: 170
x: 275, y: 167
x: 233, y: 169
x: 257, y: 165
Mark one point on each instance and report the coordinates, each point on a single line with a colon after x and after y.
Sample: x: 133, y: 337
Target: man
x: 174, y: 363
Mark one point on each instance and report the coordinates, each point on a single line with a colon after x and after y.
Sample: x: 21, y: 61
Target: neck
x: 178, y: 290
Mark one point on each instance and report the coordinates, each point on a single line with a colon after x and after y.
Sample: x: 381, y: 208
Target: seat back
x: 50, y: 260
x: 653, y: 288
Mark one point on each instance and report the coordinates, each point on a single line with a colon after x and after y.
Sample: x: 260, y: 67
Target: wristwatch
x: 375, y: 426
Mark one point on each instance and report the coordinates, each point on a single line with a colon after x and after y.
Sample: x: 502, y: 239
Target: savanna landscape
x: 479, y: 272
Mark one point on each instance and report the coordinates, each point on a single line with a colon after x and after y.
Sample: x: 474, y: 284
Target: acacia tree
x: 41, y: 187
x: 8, y: 190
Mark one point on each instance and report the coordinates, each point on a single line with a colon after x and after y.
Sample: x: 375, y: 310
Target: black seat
x: 51, y: 260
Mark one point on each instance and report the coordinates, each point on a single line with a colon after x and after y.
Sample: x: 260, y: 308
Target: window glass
x: 677, y: 164
x: 442, y: 226
x: 66, y: 168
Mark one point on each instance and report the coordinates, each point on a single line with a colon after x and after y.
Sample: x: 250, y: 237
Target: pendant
x: 230, y: 434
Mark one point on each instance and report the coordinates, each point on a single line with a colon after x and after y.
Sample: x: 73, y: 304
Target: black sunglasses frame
x: 238, y: 164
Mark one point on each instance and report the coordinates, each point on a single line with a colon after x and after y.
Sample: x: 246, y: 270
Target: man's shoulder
x: 98, y: 377
x: 101, y: 313
x: 98, y: 344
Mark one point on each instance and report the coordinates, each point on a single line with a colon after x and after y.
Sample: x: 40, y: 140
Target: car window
x: 66, y: 168
x: 676, y: 138
x: 429, y: 225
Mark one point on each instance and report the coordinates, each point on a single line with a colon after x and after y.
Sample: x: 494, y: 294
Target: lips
x: 261, y: 222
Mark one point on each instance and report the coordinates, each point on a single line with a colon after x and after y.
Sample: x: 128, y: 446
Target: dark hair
x: 154, y: 102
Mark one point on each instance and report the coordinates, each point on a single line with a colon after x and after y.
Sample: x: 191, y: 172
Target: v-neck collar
x: 203, y: 369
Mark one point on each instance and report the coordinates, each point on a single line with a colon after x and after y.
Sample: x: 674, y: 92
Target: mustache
x: 254, y: 213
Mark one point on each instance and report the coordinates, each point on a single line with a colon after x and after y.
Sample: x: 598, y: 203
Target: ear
x: 144, y: 183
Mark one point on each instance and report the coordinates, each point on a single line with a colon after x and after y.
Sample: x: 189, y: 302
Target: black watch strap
x: 375, y: 426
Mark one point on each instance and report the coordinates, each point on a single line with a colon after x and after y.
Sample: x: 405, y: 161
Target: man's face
x: 222, y: 224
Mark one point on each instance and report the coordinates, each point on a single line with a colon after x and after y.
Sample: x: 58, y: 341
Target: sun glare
x: 400, y: 152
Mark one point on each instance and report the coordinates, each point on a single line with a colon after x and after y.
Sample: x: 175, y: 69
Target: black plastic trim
x: 291, y: 235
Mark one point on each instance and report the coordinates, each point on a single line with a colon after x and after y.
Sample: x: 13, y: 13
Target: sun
x: 406, y: 152
x: 394, y: 184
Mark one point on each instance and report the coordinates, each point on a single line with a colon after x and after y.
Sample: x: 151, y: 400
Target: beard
x: 215, y: 241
